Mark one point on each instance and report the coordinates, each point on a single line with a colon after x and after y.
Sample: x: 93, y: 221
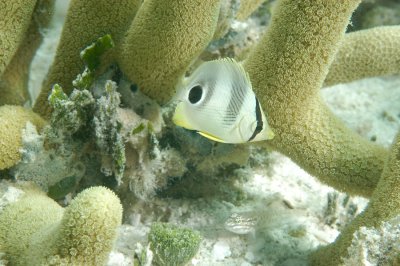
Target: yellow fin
x: 179, y: 118
x: 209, y: 136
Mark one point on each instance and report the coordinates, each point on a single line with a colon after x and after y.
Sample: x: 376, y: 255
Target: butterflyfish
x: 218, y: 102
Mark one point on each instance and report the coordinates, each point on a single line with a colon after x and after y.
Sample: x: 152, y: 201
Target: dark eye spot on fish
x: 195, y: 94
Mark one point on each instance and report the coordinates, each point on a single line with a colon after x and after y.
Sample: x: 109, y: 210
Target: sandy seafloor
x: 290, y: 207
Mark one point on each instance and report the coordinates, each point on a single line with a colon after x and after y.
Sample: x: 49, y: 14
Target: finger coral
x: 287, y: 70
x: 366, y: 53
x: 13, y: 120
x: 155, y: 43
x: 177, y: 31
x: 18, y: 45
x: 155, y: 68
x: 13, y: 28
x: 35, y: 230
x: 247, y: 7
x: 383, y: 206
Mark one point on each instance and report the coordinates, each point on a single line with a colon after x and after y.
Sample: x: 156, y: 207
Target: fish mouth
x: 179, y: 118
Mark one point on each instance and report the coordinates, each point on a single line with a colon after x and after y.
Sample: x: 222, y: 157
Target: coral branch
x: 287, y: 70
x: 247, y: 7
x: 164, y: 38
x: 384, y: 205
x: 14, y: 80
x: 13, y: 120
x: 35, y: 230
x: 13, y: 27
x: 366, y: 53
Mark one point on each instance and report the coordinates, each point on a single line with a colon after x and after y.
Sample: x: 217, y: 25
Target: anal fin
x: 212, y: 137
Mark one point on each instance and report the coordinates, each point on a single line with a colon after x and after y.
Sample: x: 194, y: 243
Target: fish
x: 218, y: 102
x: 241, y: 223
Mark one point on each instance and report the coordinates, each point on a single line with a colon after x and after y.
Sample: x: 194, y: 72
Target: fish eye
x: 195, y: 94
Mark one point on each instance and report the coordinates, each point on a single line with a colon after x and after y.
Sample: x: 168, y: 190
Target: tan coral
x: 163, y: 40
x: 287, y: 69
x: 384, y: 205
x: 13, y: 120
x: 247, y: 7
x: 13, y: 28
x: 36, y: 230
x: 366, y: 53
x: 14, y: 80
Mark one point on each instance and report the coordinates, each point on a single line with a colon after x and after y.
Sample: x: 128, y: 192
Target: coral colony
x: 100, y: 133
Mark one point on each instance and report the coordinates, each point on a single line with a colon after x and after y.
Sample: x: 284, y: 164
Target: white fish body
x: 218, y: 102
